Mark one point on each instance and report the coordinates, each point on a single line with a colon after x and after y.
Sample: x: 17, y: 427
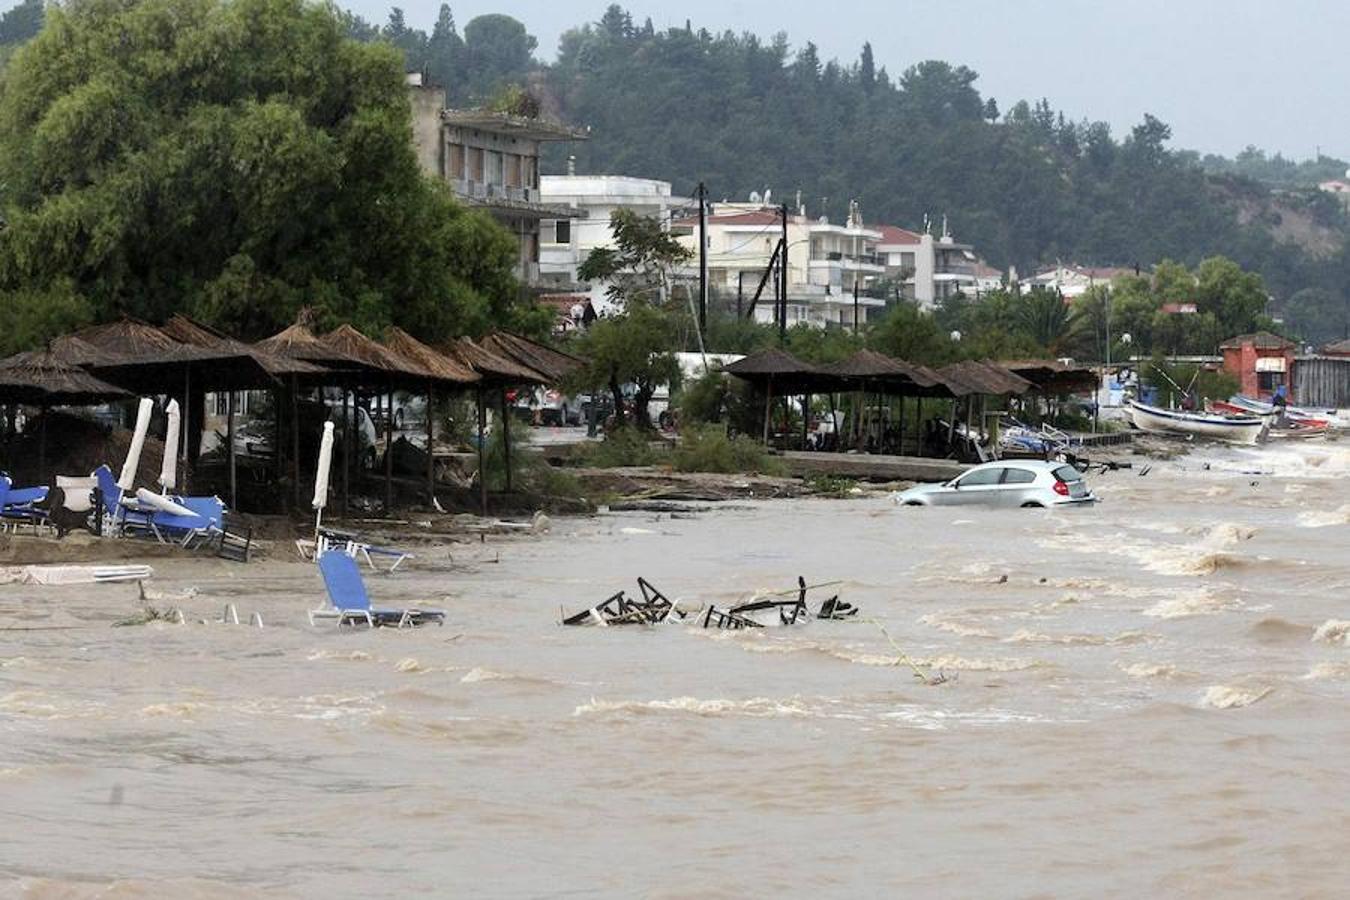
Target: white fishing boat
x: 1233, y: 429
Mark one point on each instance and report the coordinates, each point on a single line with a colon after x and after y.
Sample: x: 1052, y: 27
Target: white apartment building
x: 826, y: 262
x: 933, y: 269
x: 1074, y: 281
x: 592, y: 199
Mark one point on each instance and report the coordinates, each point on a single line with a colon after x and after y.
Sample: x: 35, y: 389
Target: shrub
x: 624, y: 446
x: 708, y: 449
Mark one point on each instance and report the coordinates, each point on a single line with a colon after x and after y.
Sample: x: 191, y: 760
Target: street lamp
x: 956, y: 337
x: 1128, y: 340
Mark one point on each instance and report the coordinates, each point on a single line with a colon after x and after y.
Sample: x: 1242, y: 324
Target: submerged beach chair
x: 351, y: 544
x: 350, y: 604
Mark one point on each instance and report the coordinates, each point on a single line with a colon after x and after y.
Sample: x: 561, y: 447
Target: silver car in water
x: 1007, y: 483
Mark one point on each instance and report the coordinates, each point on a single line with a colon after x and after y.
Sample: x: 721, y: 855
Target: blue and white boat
x: 1232, y: 429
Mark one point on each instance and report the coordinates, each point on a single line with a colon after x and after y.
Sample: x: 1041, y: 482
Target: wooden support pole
x: 229, y: 438
x: 806, y: 417
x: 389, y: 450
x: 295, y: 442
x: 431, y: 436
x: 506, y: 438
x: 482, y: 454
x: 768, y: 408
x: 348, y: 437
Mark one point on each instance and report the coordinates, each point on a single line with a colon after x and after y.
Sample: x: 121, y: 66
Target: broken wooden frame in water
x: 620, y: 609
x: 655, y: 607
x: 790, y: 611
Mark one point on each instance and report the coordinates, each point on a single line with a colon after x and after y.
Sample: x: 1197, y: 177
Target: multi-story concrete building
x: 933, y: 269
x: 491, y: 161
x: 1074, y: 281
x: 591, y: 200
x: 826, y: 262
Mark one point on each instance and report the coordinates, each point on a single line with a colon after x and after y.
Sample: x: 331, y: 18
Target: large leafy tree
x: 233, y: 158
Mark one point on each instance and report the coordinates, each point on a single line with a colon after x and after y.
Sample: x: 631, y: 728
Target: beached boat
x: 1298, y: 414
x: 1233, y: 429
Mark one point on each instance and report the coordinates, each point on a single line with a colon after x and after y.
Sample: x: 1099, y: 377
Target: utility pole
x: 702, y: 258
x: 740, y: 291
x: 783, y: 275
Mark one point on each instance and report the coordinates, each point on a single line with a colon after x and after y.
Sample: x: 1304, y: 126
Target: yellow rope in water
x: 904, y: 657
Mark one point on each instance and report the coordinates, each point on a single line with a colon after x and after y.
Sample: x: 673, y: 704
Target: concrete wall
x: 427, y: 103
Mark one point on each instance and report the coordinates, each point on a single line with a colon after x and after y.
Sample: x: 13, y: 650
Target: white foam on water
x: 1333, y: 631
x: 409, y: 664
x: 1203, y: 602
x: 1228, y: 696
x: 1149, y: 670
x: 755, y: 707
x: 1328, y: 671
x: 1025, y: 636
x: 350, y: 655
x: 945, y: 623
x: 1325, y: 518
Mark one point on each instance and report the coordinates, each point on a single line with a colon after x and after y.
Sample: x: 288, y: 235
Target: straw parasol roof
x: 494, y: 369
x: 442, y: 367
x: 188, y: 331
x: 1051, y: 376
x: 871, y: 366
x: 786, y: 373
x: 376, y: 356
x: 42, y: 377
x: 298, y: 342
x: 142, y: 357
x: 555, y: 364
x: 971, y: 377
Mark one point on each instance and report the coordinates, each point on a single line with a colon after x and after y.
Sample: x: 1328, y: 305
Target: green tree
x: 21, y: 23
x: 1318, y: 316
x: 236, y: 159
x: 499, y: 50
x: 642, y: 263
x: 634, y: 348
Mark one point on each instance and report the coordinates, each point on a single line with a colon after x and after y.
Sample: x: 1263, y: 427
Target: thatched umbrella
x: 44, y: 378
x: 770, y: 368
x: 498, y: 372
x: 394, y: 369
x: 885, y: 375
x: 553, y: 364
x: 299, y: 343
x: 195, y: 334
x: 446, y: 370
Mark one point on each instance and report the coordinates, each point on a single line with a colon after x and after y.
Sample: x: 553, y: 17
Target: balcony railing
x: 480, y: 190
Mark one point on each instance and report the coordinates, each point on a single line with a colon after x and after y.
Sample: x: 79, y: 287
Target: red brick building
x: 1261, y: 362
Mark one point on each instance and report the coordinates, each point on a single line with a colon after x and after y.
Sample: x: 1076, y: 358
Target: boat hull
x: 1235, y: 430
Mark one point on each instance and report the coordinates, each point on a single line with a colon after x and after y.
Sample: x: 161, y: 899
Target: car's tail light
x: 1061, y: 488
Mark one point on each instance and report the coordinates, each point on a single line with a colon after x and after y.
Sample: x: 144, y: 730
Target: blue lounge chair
x: 20, y: 506
x: 350, y: 603
x: 354, y: 546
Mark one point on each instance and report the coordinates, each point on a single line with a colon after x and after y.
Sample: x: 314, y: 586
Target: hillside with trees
x: 744, y: 113
x: 1026, y: 185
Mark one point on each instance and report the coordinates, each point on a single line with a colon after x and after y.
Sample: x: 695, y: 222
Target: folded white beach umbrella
x: 128, y: 479
x: 168, y: 470
x: 325, y: 463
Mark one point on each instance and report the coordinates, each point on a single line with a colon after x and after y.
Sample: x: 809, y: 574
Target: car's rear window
x: 1068, y: 474
x: 1019, y: 476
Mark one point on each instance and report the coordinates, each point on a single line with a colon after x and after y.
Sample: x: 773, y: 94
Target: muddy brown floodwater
x: 1152, y: 702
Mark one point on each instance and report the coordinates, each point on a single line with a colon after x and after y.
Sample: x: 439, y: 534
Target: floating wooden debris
x: 620, y: 609
x: 790, y: 611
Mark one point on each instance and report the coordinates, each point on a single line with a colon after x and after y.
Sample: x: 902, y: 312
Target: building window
x: 907, y: 261
x: 494, y: 168
x: 476, y: 164
x: 562, y: 231
x: 512, y: 170
x: 456, y: 167
x: 1267, y: 382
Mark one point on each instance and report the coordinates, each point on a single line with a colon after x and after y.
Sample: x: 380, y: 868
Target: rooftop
x: 891, y: 234
x: 513, y: 126
x: 1261, y: 340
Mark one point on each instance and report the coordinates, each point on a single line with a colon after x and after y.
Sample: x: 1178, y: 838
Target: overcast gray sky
x: 1222, y: 73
